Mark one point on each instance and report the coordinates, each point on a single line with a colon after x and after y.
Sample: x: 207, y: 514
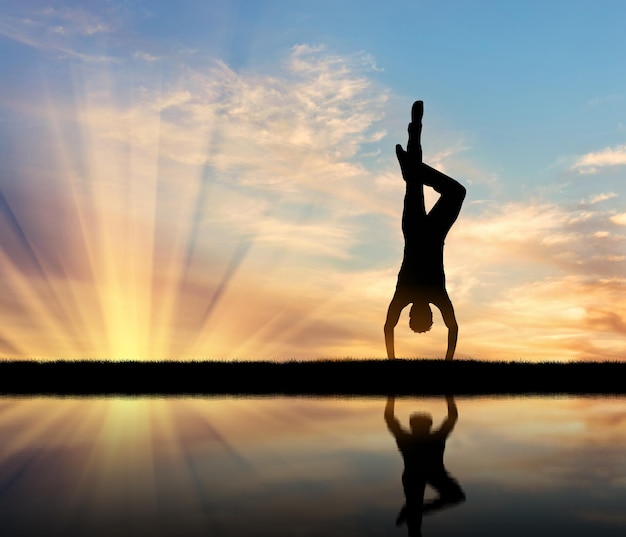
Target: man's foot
x: 417, y: 112
x: 401, y: 518
x: 414, y: 147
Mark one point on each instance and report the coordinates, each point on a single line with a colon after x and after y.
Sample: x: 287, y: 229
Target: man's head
x: 420, y: 316
x: 420, y: 423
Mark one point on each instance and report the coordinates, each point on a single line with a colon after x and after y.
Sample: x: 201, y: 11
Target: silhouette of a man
x: 421, y: 280
x: 422, y: 451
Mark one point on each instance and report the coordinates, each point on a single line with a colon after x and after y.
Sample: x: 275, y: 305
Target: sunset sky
x: 217, y: 179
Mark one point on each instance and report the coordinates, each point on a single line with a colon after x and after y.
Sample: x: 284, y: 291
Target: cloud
x: 600, y: 197
x: 619, y: 219
x: 59, y: 30
x: 591, y: 162
x: 300, y: 126
x: 544, y: 235
x: 146, y: 57
x: 70, y: 21
x: 538, y: 280
x: 554, y: 318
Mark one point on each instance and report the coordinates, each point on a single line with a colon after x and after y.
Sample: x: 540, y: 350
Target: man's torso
x: 422, y: 265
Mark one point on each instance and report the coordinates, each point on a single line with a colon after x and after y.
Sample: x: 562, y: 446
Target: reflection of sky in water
x: 304, y: 467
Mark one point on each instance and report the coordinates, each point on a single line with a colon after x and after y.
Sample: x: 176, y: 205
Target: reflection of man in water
x: 422, y: 451
x: 421, y: 280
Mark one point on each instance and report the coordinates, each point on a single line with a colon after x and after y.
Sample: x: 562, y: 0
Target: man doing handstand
x: 421, y: 280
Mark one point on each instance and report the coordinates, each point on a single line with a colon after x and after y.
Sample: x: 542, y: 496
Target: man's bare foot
x: 417, y: 112
x: 414, y: 146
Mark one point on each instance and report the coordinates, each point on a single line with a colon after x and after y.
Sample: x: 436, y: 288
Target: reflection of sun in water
x: 148, y: 462
x: 112, y: 453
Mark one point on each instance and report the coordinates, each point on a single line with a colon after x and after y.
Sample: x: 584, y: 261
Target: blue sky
x: 217, y: 179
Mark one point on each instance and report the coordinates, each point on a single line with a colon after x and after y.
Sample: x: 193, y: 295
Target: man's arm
x: 453, y: 411
x: 453, y: 416
x: 453, y: 334
x: 390, y: 419
x: 393, y: 316
x: 449, y: 318
x: 389, y: 409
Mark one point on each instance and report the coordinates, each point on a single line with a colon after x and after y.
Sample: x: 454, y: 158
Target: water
x: 298, y: 467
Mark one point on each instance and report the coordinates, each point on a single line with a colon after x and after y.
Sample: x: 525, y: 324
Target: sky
x: 217, y: 180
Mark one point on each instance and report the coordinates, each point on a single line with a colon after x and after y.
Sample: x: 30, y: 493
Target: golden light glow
x: 201, y: 218
x: 155, y: 242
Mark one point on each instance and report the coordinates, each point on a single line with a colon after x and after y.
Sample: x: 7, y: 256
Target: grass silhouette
x: 323, y: 377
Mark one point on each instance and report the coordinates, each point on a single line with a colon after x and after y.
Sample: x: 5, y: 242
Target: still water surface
x: 296, y: 466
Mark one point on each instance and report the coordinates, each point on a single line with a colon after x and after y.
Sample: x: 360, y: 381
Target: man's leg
x: 416, y: 174
x: 411, y: 158
x: 449, y: 490
x: 411, y: 513
x: 440, y: 182
x: 414, y: 213
x: 447, y: 208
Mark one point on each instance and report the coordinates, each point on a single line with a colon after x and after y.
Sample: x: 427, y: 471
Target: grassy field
x: 324, y: 377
